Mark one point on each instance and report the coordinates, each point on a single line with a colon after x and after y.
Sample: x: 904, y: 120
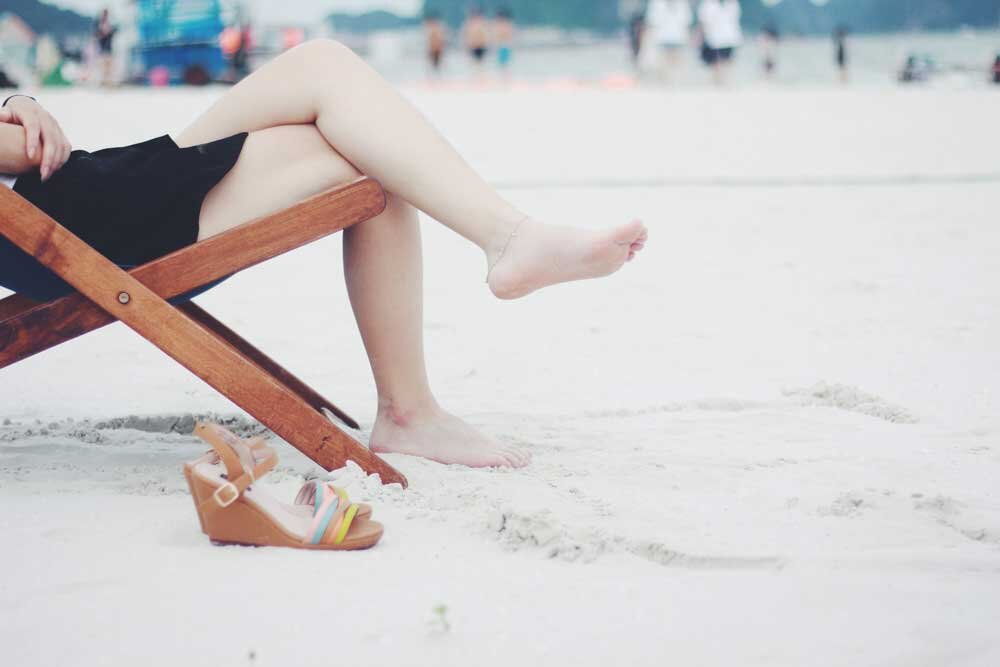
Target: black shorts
x: 132, y: 204
x: 479, y: 53
x: 712, y: 56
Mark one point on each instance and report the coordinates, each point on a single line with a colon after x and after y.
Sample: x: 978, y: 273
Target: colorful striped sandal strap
x: 333, y: 514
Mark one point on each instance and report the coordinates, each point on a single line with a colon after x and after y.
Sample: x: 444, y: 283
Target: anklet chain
x: 503, y: 250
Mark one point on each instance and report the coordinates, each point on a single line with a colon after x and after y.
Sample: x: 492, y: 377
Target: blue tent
x: 183, y: 36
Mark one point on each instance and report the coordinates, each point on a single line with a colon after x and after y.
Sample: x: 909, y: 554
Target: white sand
x: 773, y: 441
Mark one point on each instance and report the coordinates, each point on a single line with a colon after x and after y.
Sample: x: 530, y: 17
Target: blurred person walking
x: 669, y: 25
x: 236, y: 42
x: 436, y: 35
x: 840, y: 52
x: 241, y: 58
x: 104, y: 36
x: 722, y: 34
x: 476, y: 34
x: 636, y: 36
x: 996, y: 69
x: 503, y: 35
x: 769, y: 37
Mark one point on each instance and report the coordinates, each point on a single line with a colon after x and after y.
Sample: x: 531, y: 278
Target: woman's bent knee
x: 324, y: 50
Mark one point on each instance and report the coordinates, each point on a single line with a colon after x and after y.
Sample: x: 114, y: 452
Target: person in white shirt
x: 721, y: 32
x: 668, y: 23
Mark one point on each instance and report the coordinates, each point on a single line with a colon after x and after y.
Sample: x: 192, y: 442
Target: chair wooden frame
x: 186, y: 332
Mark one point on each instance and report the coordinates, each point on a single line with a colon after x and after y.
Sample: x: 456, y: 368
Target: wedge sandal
x: 233, y: 511
x: 256, y: 453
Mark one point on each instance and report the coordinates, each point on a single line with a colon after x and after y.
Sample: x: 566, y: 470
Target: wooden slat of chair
x: 40, y: 326
x: 26, y: 333
x: 15, y: 305
x: 203, y: 352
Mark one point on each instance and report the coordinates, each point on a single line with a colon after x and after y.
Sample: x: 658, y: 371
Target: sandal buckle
x: 226, y: 502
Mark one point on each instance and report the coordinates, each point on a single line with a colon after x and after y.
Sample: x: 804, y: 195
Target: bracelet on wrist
x: 17, y: 95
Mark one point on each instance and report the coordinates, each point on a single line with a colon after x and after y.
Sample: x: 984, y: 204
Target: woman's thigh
x: 278, y: 167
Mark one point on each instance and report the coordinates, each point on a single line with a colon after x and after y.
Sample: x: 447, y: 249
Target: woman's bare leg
x: 383, y: 266
x: 381, y: 134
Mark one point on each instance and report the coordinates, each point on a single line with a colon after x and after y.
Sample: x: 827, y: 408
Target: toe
x: 510, y: 459
x: 498, y: 461
x: 518, y: 457
x: 630, y: 233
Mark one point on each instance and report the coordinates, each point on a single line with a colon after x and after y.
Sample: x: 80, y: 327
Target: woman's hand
x: 45, y: 143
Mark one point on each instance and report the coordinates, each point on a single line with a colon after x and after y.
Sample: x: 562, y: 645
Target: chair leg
x: 271, y: 367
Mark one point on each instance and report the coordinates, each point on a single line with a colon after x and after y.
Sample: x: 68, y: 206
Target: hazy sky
x: 276, y: 10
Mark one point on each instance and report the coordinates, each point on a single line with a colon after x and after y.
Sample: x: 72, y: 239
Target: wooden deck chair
x: 139, y: 298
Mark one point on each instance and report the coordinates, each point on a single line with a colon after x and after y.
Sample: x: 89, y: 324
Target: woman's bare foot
x: 436, y: 435
x: 539, y: 255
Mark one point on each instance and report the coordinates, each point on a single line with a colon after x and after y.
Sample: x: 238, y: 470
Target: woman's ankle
x: 500, y: 235
x: 403, y: 413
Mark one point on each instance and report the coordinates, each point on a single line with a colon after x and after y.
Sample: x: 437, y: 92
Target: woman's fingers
x: 64, y: 154
x: 6, y: 116
x: 55, y: 148
x: 31, y: 135
x: 51, y: 149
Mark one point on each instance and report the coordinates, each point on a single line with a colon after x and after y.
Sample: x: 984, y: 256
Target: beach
x: 774, y: 439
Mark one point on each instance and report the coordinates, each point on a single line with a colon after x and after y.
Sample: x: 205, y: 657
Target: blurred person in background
x: 722, y: 34
x: 769, y: 37
x: 236, y: 42
x: 6, y: 81
x: 437, y: 39
x: 476, y: 34
x: 996, y: 69
x: 503, y: 34
x: 636, y: 35
x: 669, y: 26
x: 840, y: 52
x: 104, y: 36
x: 241, y: 58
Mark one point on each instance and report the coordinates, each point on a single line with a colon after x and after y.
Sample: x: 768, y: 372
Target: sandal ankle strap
x: 245, y: 463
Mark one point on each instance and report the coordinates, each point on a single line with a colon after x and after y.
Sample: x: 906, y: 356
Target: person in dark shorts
x: 721, y: 34
x: 476, y: 33
x: 104, y: 35
x: 636, y: 33
x: 840, y: 51
x: 769, y: 37
x: 996, y: 69
x: 315, y: 117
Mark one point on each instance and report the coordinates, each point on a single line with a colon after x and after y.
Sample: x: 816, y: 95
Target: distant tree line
x: 792, y: 16
x: 371, y: 21
x: 873, y: 15
x: 598, y: 15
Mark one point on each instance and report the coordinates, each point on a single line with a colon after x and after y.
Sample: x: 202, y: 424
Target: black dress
x: 132, y: 204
